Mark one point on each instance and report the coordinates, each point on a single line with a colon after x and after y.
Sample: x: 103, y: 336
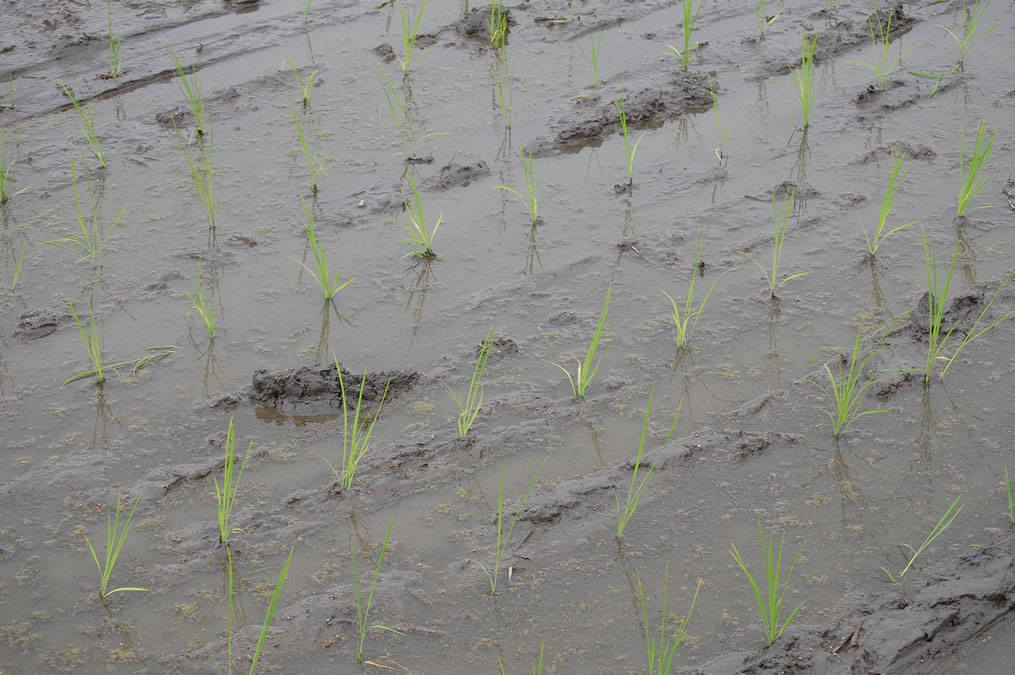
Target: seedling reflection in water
x: 770, y: 604
x: 468, y: 407
x: 355, y: 437
x: 502, y: 539
x: 115, y: 539
x: 315, y: 165
x: 586, y: 370
x: 662, y: 651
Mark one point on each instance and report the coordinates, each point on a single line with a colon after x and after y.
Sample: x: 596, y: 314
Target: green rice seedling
x: 198, y: 299
x: 225, y: 495
x: 637, y: 489
x: 686, y: 320
x: 970, y: 26
x: 395, y: 106
x: 306, y: 88
x: 115, y: 539
x: 204, y: 179
x: 306, y: 12
x: 770, y: 605
x: 970, y: 163
x: 530, y: 186
x: 191, y: 89
x: 803, y: 77
x: 586, y: 370
x: 8, y: 169
x: 497, y: 25
x: 504, y: 85
x: 92, y: 242
x: 272, y: 606
x: 363, y: 611
x: 594, y: 48
x: 629, y: 151
x: 321, y: 276
x: 115, y: 58
x: 882, y: 67
x: 87, y: 126
x: 764, y: 21
x: 690, y: 19
x: 911, y: 553
x: 502, y: 539
x: 315, y: 165
x: 17, y: 268
x: 887, y: 202
x: 410, y: 31
x: 781, y: 220
x: 421, y: 236
x: 93, y: 346
x: 939, y: 341
x: 1011, y: 503
x: 662, y: 651
x: 355, y: 437
x: 848, y: 389
x: 722, y: 153
x: 468, y: 408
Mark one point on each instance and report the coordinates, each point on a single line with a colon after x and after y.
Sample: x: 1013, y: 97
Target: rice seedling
x: 586, y: 370
x: 355, y: 437
x: 315, y: 165
x: 93, y: 346
x: 497, y: 25
x: 504, y: 85
x: 770, y: 605
x: 536, y: 669
x: 723, y: 152
x: 87, y: 126
x: 115, y: 58
x: 594, y: 49
x: 1011, y: 503
x: 199, y: 301
x: 204, y: 179
x: 410, y: 31
x: 803, y: 77
x: 629, y: 151
x: 686, y: 320
x: 502, y: 539
x: 887, y: 202
x: 911, y: 553
x: 468, y: 408
x: 690, y: 19
x: 191, y: 89
x: 781, y: 220
x: 530, y: 186
x: 764, y: 21
x: 363, y: 611
x: 395, y: 106
x: 848, y: 389
x: 970, y: 163
x: 92, y: 241
x: 115, y: 539
x: 421, y: 236
x: 306, y: 12
x: 970, y: 26
x: 321, y: 276
x: 225, y: 496
x: 8, y: 169
x: 939, y: 341
x: 662, y: 651
x: 272, y: 606
x: 881, y: 67
x: 17, y: 268
x: 637, y: 489
x: 306, y: 87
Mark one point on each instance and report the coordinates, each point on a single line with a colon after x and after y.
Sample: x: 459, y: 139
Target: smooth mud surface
x: 751, y: 445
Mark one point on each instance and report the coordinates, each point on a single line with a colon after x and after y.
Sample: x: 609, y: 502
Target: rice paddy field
x: 746, y: 210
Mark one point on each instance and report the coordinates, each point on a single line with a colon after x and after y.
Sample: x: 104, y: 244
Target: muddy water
x: 755, y: 446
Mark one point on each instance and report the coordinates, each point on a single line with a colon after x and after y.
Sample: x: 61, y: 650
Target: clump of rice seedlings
x: 87, y: 126
x: 199, y: 301
x: 8, y: 169
x: 321, y: 276
x: 629, y: 150
x: 770, y: 604
x: 306, y: 87
x: 204, y: 178
x: 690, y: 19
x: 723, y: 152
x: 780, y: 220
x: 115, y: 539
x: 504, y: 539
x: 662, y: 651
x: 363, y: 610
x: 764, y: 21
x: 421, y: 236
x: 887, y: 202
x: 882, y: 67
x: 355, y: 437
x: 93, y: 346
x: 1011, y: 503
x: 410, y: 31
x: 848, y: 389
x: 637, y: 489
x: 115, y: 58
x: 17, y: 268
x: 497, y: 25
x: 911, y: 553
x: 468, y: 408
x: 686, y: 319
x: 594, y: 48
x: 92, y: 241
x: 315, y: 165
x: 970, y: 163
x: 803, y: 77
x: 939, y: 341
x: 586, y: 370
x: 225, y: 495
x: 970, y: 26
x: 530, y: 186
x: 395, y: 106
x: 191, y: 89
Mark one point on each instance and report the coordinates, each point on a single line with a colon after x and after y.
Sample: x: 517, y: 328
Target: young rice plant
x: 306, y: 88
x: 881, y: 67
x: 363, y: 610
x: 92, y: 241
x: 355, y: 437
x: 8, y: 169
x: 115, y: 539
x: 770, y: 604
x: 115, y: 57
x: 690, y: 19
x: 662, y: 651
x: 468, y: 407
x: 199, y: 301
x: 504, y: 539
x: 970, y: 164
x: 780, y: 219
x: 225, y: 495
x: 911, y: 553
x: 321, y: 276
x: 686, y: 320
x: 421, y: 236
x: 204, y: 178
x: 315, y: 165
x: 87, y: 126
x: 629, y: 150
x: 191, y: 89
x: 410, y: 31
x: 586, y: 371
x: 887, y: 202
x: 803, y: 78
x: 530, y: 186
x: 970, y: 27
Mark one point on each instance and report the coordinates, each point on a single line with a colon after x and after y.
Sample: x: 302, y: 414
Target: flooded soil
x: 713, y: 145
